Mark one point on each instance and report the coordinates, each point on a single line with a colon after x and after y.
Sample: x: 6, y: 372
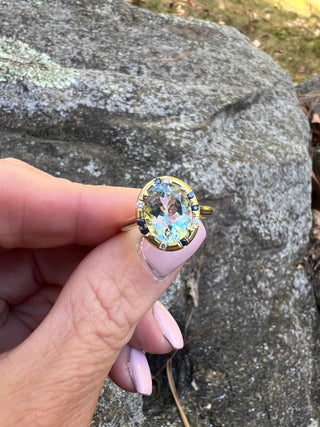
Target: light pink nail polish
x: 168, y: 325
x: 140, y: 372
x: 162, y: 263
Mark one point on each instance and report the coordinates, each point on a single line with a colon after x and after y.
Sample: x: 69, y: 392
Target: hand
x: 78, y: 297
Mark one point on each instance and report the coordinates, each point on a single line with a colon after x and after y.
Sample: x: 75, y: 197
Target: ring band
x: 168, y: 213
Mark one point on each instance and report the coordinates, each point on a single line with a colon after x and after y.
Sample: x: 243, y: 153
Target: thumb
x: 62, y: 365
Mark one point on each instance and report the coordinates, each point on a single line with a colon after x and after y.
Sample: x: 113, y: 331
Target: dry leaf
x: 194, y: 385
x: 192, y: 281
x: 299, y: 22
x: 315, y: 232
x: 256, y: 42
x: 315, y: 118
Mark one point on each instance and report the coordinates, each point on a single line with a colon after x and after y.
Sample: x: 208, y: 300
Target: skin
x: 75, y: 296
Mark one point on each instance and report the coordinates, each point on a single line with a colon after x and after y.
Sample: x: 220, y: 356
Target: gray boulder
x: 101, y: 92
x: 309, y: 95
x: 309, y: 92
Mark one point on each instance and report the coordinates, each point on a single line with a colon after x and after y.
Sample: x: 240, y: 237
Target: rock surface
x: 309, y: 91
x: 309, y: 94
x: 100, y: 92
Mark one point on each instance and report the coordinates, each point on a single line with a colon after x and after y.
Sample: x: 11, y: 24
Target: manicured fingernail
x: 140, y: 372
x: 168, y: 325
x: 162, y: 263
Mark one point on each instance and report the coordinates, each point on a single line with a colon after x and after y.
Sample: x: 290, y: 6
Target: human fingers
x: 62, y: 365
x: 30, y: 282
x: 39, y: 210
x: 23, y: 272
x: 131, y: 371
x: 28, y: 295
x: 23, y: 165
x: 157, y: 332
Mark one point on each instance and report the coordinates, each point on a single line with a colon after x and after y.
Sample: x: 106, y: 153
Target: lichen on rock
x: 19, y: 61
x: 119, y: 107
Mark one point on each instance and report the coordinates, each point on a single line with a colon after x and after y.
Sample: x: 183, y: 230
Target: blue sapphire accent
x: 190, y: 196
x: 195, y: 207
x: 184, y: 242
x: 157, y: 181
x: 141, y: 222
x: 145, y: 230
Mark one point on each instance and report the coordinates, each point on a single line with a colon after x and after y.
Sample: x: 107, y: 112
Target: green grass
x: 292, y: 40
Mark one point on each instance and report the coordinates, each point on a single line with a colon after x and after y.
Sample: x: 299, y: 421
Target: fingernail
x: 140, y: 372
x: 168, y: 325
x: 162, y: 263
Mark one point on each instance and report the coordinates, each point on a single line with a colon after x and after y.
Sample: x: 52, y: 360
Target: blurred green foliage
x: 292, y: 40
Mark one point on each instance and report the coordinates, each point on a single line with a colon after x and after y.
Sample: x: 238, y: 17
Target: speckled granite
x: 94, y: 91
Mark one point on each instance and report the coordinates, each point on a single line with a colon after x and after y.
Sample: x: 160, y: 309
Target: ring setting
x: 168, y: 213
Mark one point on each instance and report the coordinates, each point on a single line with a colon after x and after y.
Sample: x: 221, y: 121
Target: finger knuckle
x: 109, y: 308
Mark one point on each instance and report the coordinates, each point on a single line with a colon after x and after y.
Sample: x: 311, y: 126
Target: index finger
x: 39, y: 210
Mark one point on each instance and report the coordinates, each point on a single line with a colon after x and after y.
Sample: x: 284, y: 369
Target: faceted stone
x: 141, y: 223
x: 145, y: 230
x: 168, y: 212
x: 163, y: 246
x: 85, y: 97
x: 184, y: 242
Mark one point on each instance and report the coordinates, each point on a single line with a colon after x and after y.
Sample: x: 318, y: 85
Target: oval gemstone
x: 168, y: 212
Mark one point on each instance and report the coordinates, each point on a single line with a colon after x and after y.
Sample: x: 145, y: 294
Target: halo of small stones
x: 195, y: 209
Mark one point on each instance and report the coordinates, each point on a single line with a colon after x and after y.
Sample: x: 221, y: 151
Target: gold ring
x: 168, y: 213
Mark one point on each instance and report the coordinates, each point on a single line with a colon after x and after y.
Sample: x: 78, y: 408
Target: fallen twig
x: 198, y: 333
x: 315, y: 184
x: 183, y: 55
x: 175, y: 393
